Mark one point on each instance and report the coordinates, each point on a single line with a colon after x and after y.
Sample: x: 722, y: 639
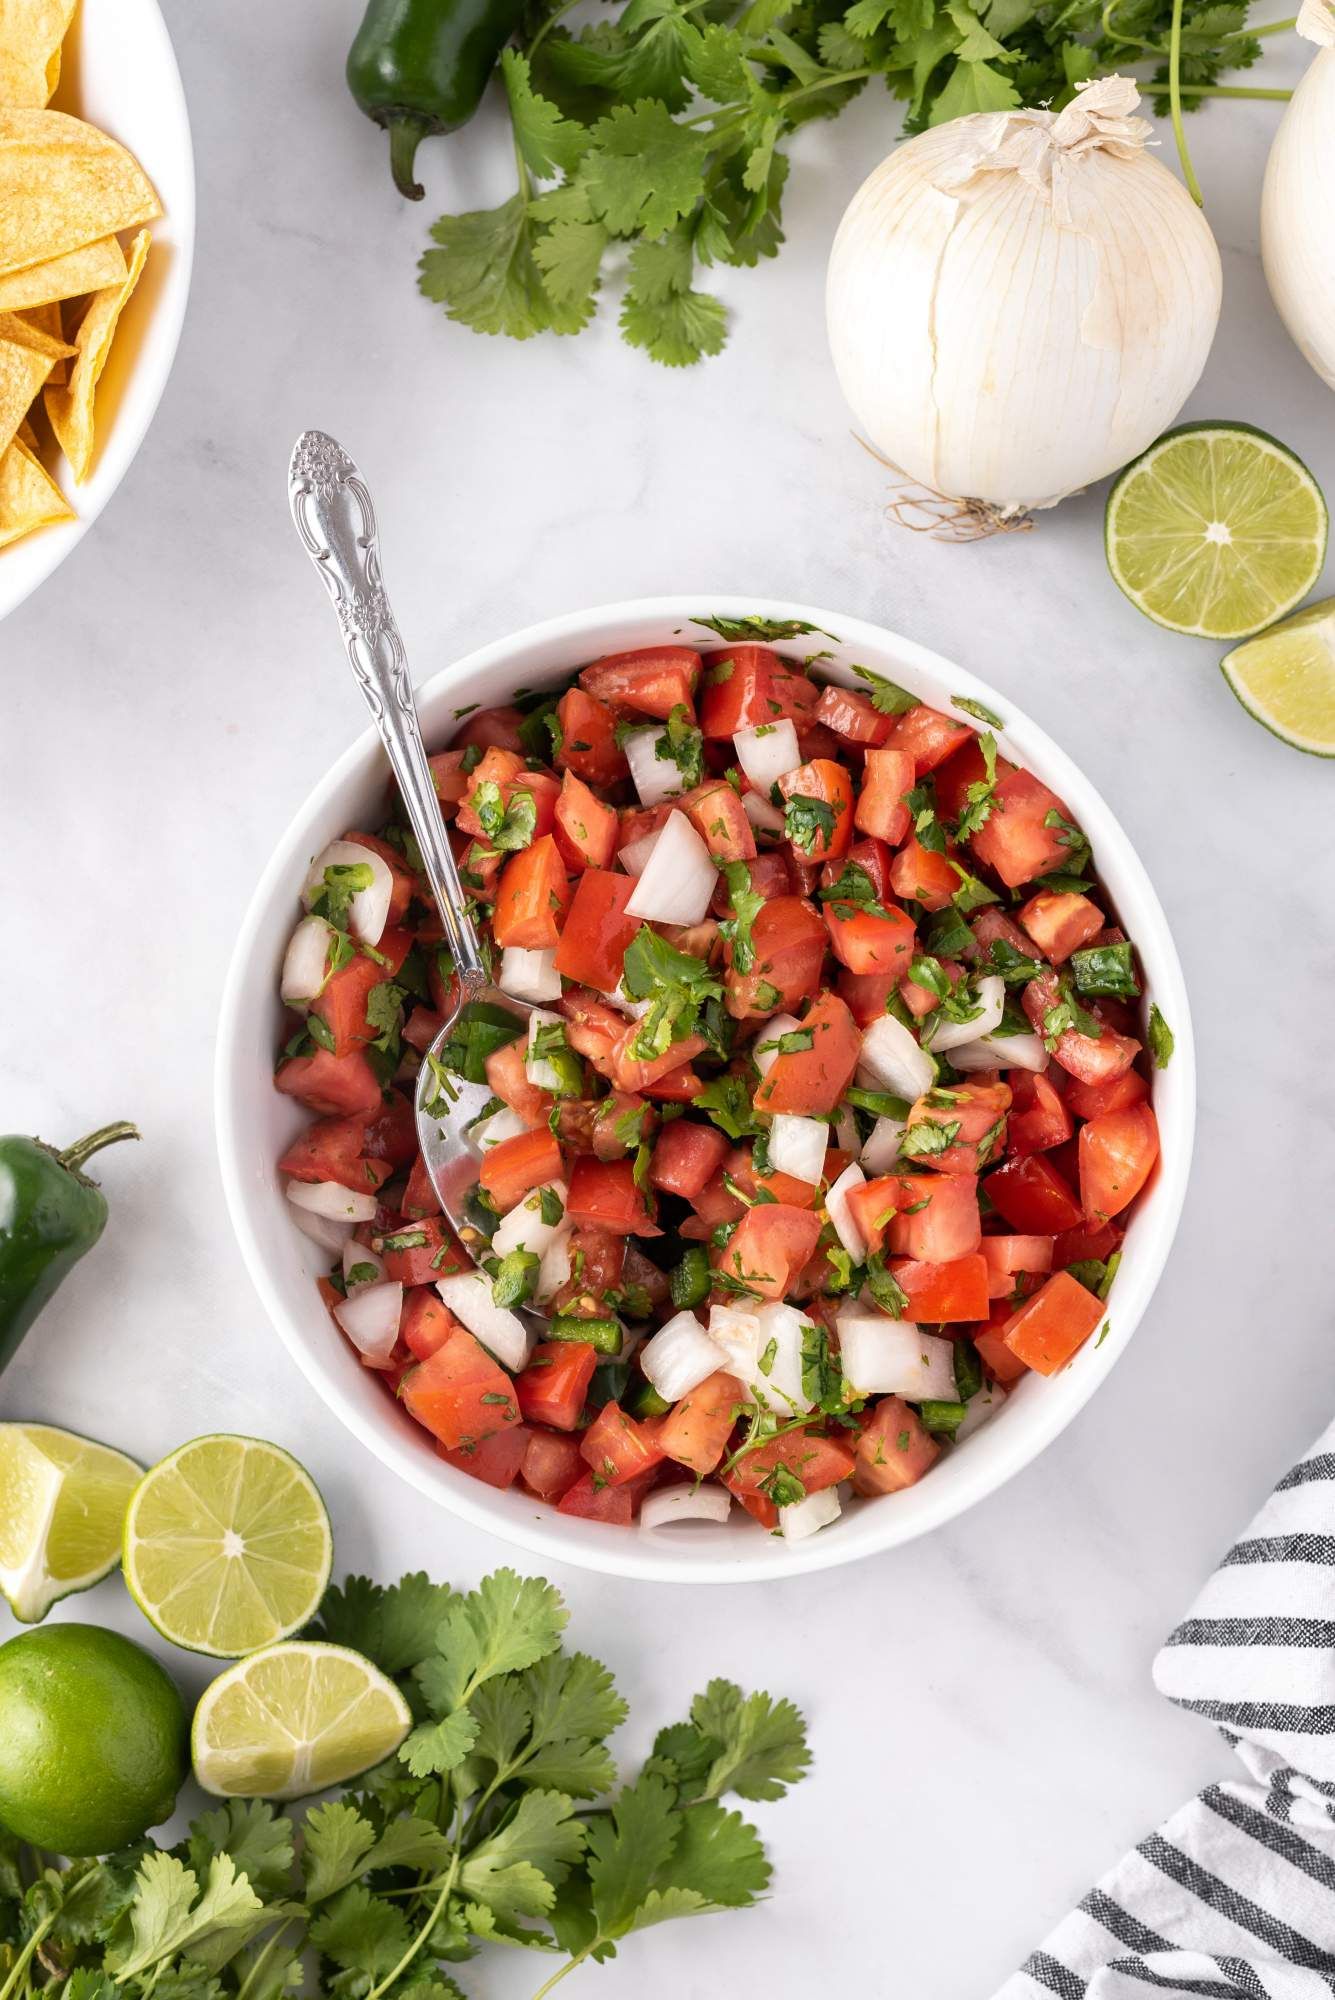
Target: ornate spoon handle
x: 332, y: 509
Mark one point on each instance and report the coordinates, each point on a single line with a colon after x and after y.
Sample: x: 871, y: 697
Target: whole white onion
x: 1019, y: 302
x: 1297, y: 213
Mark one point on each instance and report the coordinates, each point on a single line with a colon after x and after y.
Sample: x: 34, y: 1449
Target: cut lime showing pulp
x: 294, y: 1719
x: 1285, y: 678
x: 1216, y: 530
x: 62, y: 1506
x: 227, y: 1546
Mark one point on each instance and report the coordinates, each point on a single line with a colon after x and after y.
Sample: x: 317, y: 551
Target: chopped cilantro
x: 746, y: 907
x: 676, y: 984
x: 1161, y: 1039
x: 976, y: 710
x: 887, y: 697
x: 807, y: 820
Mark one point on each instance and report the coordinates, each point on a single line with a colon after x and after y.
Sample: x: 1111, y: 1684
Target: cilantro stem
x: 569, y: 1966
x: 423, y: 1934
x: 550, y: 22
x: 779, y: 100
x: 1175, y: 105
x: 260, y: 1957
x: 765, y: 1437
x: 1233, y: 90
x: 25, y: 1958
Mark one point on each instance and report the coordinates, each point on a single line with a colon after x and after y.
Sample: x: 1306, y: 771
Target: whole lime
x: 93, y: 1739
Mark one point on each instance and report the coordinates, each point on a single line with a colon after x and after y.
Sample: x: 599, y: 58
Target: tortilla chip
x: 27, y: 331
x: 23, y: 370
x: 73, y: 276
x: 29, y: 496
x: 46, y: 321
x: 64, y: 184
x: 31, y: 32
x: 26, y: 435
x: 70, y: 405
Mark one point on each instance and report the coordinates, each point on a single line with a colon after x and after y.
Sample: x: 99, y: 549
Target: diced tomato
x: 1117, y: 1153
x: 331, y: 1150
x: 1007, y: 1256
x: 653, y: 1074
x: 1033, y: 1197
x: 617, y: 1448
x: 421, y: 1028
x: 972, y: 1116
x: 696, y: 1429
x: 392, y: 1134
x: 597, y: 1261
x: 1092, y: 1100
x: 498, y: 768
x: 459, y: 1393
x: 402, y: 892
x: 596, y: 931
x: 817, y: 1461
x: 427, y: 1250
x: 507, y: 1079
x: 769, y: 1246
x: 420, y: 1197
x: 1039, y: 1118
x: 1093, y: 1059
x: 826, y: 784
x: 589, y: 745
x: 719, y: 817
x: 812, y: 1080
x: 590, y: 1500
x: 768, y: 875
x: 342, y: 1005
x: 594, y: 1028
x: 852, y: 716
x: 865, y: 993
x: 1049, y: 1327
x: 758, y: 1507
x: 425, y: 1323
x: 552, y: 1389
x: 921, y: 875
x: 870, y: 942
x: 491, y: 727
x: 964, y: 767
x: 921, y: 1000
x: 788, y: 951
x: 714, y: 1204
x: 685, y: 1156
x: 677, y: 1086
x: 894, y: 1450
x: 653, y: 680
x: 604, y: 1191
x: 496, y: 1461
x: 1001, y: 1365
x: 532, y: 898
x: 936, y: 1218
x: 928, y: 736
x: 342, y: 1086
x: 551, y: 1464
x: 880, y: 810
x: 586, y: 829
x: 1015, y: 839
x: 1088, y: 1242
x: 744, y: 687
x: 1060, y: 923
x: 516, y: 1166
x: 956, y: 1290
x: 873, y: 1206
x: 992, y: 925
x: 448, y: 775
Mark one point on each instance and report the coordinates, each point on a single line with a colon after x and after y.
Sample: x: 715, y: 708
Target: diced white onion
x: 541, y: 1072
x: 777, y: 1379
x: 355, y: 1254
x: 979, y: 1408
x: 678, y: 879
x: 770, y: 1031
x: 737, y: 1332
x: 844, y: 1130
x: 841, y: 1215
x: 892, y: 1060
x: 332, y: 1199
x: 880, y: 1151
x: 688, y: 1502
x: 321, y: 1229
x: 656, y: 778
x: 892, y: 1357
x: 763, y: 815
x: 554, y: 1270
x: 1002, y: 1052
x: 990, y: 995
x: 621, y: 1000
x: 529, y: 975
x: 502, y: 1333
x: 368, y: 912
x: 768, y: 752
x: 797, y: 1147
x: 497, y: 1125
x: 804, y: 1517
x: 524, y: 1229
x: 370, y: 1318
x: 304, y: 962
x: 680, y: 1356
x: 635, y: 853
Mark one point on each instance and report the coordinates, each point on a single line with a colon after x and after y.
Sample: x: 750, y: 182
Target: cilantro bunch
x: 481, y: 1830
x: 652, y: 138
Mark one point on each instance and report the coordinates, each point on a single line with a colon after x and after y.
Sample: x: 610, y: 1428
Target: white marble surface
x: 986, y: 1737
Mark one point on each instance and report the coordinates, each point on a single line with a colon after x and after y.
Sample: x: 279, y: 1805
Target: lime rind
x: 63, y: 1500
x: 1285, y: 679
x: 293, y: 1719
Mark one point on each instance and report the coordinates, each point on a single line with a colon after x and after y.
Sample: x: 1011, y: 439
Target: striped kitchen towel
x: 1234, y: 1897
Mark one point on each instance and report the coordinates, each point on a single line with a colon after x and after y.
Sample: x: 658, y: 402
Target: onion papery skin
x: 1298, y: 217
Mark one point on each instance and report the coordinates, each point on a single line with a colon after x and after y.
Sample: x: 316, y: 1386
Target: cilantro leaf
x: 677, y: 985
x: 259, y: 1842
x: 763, y: 1746
x: 1161, y: 1039
x: 746, y: 904
x: 170, y: 1913
x: 977, y: 710
x: 759, y: 629
x: 508, y: 1623
x: 626, y: 1851
x: 517, y: 1871
x: 807, y: 820
x: 717, y: 1858
x: 362, y: 1933
x: 550, y: 144
x: 644, y: 171
x: 887, y: 697
x: 727, y: 1100
x: 395, y: 1627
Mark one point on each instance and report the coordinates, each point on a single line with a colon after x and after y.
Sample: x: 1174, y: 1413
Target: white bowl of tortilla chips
x: 97, y: 221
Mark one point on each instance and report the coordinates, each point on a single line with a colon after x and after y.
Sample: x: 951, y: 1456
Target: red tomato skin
x: 654, y: 1074
x: 872, y: 856
x: 1039, y: 1118
x: 392, y: 1134
x: 426, y: 1323
x: 508, y: 1079
x: 865, y: 993
x: 770, y: 1245
x: 1092, y: 1100
x: 1049, y: 1328
x: 1092, y: 1059
x: 590, y: 747
x: 919, y: 875
x: 1117, y: 1156
x: 1033, y: 1197
x: 589, y: 1500
x: 551, y: 1465
x: 719, y: 817
x: 744, y: 687
x: 1060, y: 923
x: 980, y: 1109
x: 553, y: 1387
x: 817, y: 1461
x: 928, y: 736
x: 331, y: 1150
x: 1077, y: 1246
x: 686, y: 1156
x: 789, y: 941
x: 421, y: 1028
x: 992, y: 924
x: 851, y: 716
x: 596, y: 931
x: 695, y: 1430
x: 450, y: 779
x: 491, y: 728
x: 938, y: 1293
x: 339, y: 1086
x: 585, y: 829
x: 880, y: 811
x: 446, y: 1393
x: 532, y: 898
x: 964, y: 767
x: 604, y: 1191
x: 813, y: 1080
x: 1014, y: 841
x: 420, y: 1198
x: 342, y: 1005
x: 516, y: 1166
x: 946, y: 1228
x: 653, y: 680
x: 828, y: 782
x: 439, y: 1256
x: 1007, y: 1257
x: 1001, y: 1365
x: 768, y: 878
x: 870, y: 945
x: 617, y: 1448
x: 495, y: 1460
x: 894, y: 1451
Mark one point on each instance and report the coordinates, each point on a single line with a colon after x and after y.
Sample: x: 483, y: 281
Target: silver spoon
x: 335, y: 519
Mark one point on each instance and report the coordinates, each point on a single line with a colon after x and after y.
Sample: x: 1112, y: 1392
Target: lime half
x: 1216, y: 530
x: 62, y: 1507
x: 227, y: 1545
x: 1285, y: 678
x: 294, y: 1719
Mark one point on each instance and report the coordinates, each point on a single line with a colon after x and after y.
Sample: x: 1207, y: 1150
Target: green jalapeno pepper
x: 421, y: 66
x: 51, y: 1215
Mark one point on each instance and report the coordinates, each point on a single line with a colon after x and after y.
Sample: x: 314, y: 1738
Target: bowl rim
x: 631, y: 1555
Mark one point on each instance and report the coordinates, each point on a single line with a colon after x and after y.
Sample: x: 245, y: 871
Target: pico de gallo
x: 832, y: 1105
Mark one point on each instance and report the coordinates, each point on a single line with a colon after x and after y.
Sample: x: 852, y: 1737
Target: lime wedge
x: 293, y: 1719
x: 1216, y: 530
x: 1285, y: 678
x: 62, y: 1507
x: 227, y: 1546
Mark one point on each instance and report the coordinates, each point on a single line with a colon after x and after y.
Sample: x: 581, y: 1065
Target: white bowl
x: 255, y: 1123
x: 118, y: 71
